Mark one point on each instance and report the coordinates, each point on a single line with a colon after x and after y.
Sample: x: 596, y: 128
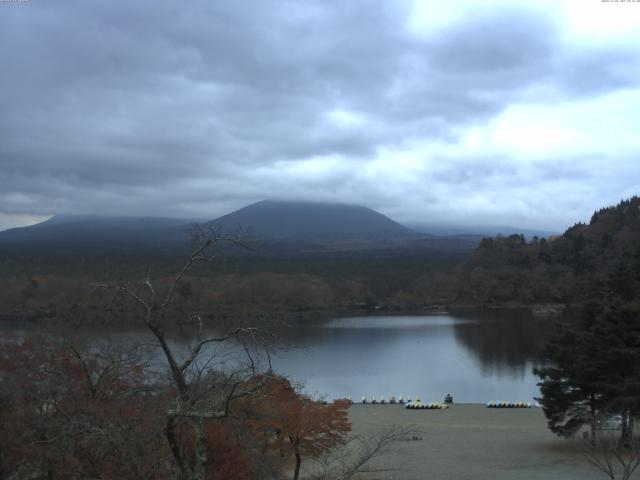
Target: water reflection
x: 509, y: 345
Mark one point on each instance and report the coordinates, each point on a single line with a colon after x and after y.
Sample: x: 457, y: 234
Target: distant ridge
x: 478, y: 230
x: 280, y: 219
x: 278, y: 228
x: 75, y: 230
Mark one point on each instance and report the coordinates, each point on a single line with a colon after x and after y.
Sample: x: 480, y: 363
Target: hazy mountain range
x: 278, y: 226
x: 482, y: 230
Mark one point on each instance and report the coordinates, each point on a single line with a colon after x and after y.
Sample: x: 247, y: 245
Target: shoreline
x: 99, y: 317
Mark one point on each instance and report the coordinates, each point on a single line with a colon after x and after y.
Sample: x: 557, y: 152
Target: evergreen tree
x: 596, y: 360
x: 573, y: 393
x: 619, y: 329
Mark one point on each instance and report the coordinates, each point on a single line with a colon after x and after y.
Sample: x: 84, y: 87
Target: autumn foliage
x: 295, y: 425
x: 226, y: 457
x: 68, y: 413
x: 78, y: 412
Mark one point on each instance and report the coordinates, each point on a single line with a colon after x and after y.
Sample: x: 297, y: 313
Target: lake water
x: 475, y: 358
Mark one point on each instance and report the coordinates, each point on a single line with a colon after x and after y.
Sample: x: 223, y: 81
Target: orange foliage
x: 70, y: 413
x: 296, y: 424
x: 85, y: 413
x: 225, y: 457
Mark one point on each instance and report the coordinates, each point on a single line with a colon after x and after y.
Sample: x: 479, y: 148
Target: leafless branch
x: 612, y: 458
x: 356, y: 455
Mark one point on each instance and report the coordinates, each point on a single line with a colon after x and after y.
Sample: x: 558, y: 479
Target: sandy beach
x: 470, y: 441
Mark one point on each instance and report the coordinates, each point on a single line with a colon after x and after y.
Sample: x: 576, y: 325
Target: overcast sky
x: 473, y: 111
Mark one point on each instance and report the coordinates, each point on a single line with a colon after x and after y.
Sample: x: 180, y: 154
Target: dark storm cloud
x: 195, y: 107
x: 493, y: 45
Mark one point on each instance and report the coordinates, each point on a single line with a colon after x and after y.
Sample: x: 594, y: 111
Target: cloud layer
x: 495, y: 115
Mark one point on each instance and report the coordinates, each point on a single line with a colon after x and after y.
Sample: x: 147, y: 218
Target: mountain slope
x: 279, y: 220
x: 92, y: 231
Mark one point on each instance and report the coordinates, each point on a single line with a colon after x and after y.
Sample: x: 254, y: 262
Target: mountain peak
x: 281, y: 218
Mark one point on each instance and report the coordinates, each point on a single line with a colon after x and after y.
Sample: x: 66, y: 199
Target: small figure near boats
x: 448, y: 398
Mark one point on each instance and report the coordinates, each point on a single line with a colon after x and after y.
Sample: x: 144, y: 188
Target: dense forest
x: 565, y: 269
x: 234, y: 287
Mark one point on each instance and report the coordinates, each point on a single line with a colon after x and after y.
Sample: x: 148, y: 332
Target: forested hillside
x: 565, y: 269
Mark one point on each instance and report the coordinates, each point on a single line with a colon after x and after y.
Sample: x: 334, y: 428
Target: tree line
x: 569, y: 268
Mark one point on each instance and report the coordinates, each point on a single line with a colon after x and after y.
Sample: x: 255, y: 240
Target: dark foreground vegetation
x: 74, y: 412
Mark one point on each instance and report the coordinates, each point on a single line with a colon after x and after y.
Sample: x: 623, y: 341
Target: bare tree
x: 615, y: 459
x: 202, y: 394
x: 358, y: 455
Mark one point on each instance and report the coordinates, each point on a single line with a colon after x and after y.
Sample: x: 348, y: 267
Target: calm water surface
x: 476, y: 359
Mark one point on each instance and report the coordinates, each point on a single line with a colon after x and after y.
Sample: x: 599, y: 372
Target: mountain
x: 97, y: 231
x: 279, y: 220
x: 280, y: 229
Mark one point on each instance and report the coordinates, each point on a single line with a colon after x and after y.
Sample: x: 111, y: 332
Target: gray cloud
x: 501, y: 46
x: 192, y: 108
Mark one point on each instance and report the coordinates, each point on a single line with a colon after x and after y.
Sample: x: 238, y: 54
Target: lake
x: 476, y: 358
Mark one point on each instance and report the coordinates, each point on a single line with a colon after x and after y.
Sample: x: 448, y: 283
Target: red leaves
x: 94, y: 412
x: 225, y: 456
x: 225, y: 459
x: 297, y: 423
x: 79, y: 412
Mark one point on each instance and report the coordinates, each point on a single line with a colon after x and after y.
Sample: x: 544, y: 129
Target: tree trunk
x: 199, y: 431
x: 594, y: 423
x: 176, y: 373
x: 296, y: 449
x: 626, y: 429
x: 170, y: 433
x: 184, y: 472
